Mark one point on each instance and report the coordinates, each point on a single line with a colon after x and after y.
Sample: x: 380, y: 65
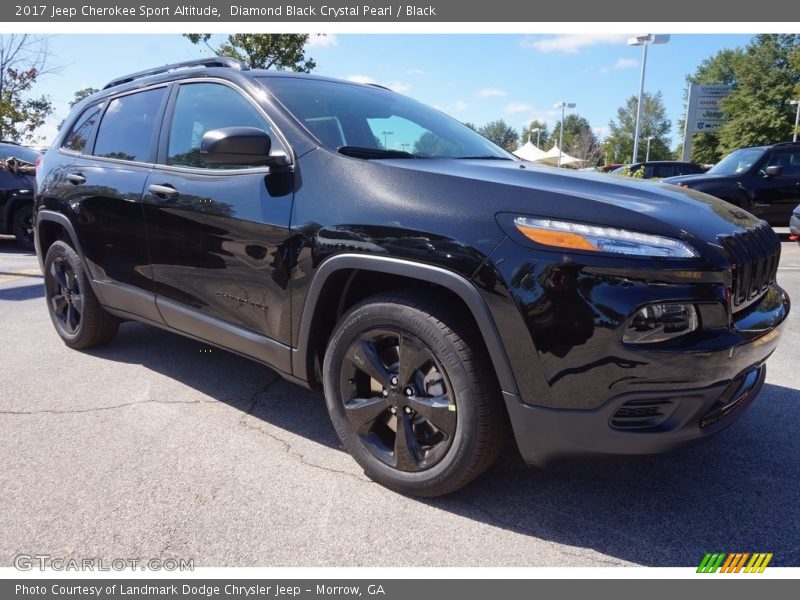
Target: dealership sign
x: 705, y: 112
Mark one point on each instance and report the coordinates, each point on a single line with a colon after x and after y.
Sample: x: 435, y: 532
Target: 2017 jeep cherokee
x: 436, y: 288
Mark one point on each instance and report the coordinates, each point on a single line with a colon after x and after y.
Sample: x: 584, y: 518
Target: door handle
x: 165, y: 192
x: 76, y: 178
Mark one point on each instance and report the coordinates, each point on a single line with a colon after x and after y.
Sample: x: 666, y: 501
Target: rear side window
x: 128, y: 128
x: 788, y: 159
x: 82, y: 129
x: 200, y: 108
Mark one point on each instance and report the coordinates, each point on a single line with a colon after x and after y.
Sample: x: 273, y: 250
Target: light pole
x: 796, y: 118
x: 386, y: 135
x: 538, y: 131
x: 563, y: 106
x: 647, y: 156
x: 644, y: 41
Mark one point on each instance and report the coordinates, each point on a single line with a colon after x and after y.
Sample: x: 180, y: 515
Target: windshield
x: 737, y: 161
x: 371, y: 122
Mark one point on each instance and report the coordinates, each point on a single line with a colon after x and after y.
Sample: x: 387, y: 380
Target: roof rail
x: 217, y: 61
x: 786, y: 143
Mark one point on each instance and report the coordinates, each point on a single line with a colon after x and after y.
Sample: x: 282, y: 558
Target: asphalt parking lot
x: 152, y: 447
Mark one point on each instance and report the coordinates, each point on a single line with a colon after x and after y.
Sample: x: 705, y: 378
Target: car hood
x: 526, y: 188
x: 698, y: 178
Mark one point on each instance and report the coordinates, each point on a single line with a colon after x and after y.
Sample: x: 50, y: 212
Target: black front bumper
x: 644, y: 423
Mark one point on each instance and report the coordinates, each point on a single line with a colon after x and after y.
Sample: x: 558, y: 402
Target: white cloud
x: 570, y: 44
x: 399, y: 87
x: 601, y: 132
x: 360, y: 79
x: 415, y: 72
x: 322, y: 41
x: 513, y: 108
x: 490, y: 92
x: 621, y: 64
x: 461, y: 105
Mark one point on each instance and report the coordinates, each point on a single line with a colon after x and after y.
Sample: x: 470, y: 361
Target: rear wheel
x: 22, y: 226
x: 411, y: 396
x: 79, y: 319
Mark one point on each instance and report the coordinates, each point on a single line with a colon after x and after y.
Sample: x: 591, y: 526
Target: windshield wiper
x: 486, y: 157
x: 362, y: 152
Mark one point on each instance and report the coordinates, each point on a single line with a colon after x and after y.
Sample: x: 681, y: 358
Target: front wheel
x: 411, y: 395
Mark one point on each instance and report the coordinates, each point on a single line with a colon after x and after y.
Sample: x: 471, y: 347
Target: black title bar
x: 321, y: 11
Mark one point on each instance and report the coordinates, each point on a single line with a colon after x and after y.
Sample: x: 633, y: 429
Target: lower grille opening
x: 737, y: 394
x: 642, y: 414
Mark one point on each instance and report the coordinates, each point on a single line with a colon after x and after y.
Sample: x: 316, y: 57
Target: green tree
x: 24, y: 59
x: 470, y: 125
x: 654, y: 124
x: 579, y: 139
x: 430, y: 144
x: 281, y: 51
x: 765, y: 76
x: 543, y: 136
x: 501, y: 133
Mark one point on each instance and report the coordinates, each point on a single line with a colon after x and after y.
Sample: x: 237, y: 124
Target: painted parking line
x: 14, y: 275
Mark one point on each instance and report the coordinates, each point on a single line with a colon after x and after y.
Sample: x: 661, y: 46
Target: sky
x: 475, y: 78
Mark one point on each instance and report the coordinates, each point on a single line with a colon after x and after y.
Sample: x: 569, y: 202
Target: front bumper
x: 633, y: 423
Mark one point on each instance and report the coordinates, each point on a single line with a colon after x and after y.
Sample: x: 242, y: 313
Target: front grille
x: 754, y: 254
x: 642, y: 414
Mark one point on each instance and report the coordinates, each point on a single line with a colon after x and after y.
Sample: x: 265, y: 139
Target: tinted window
x: 81, y: 129
x: 128, y: 128
x: 20, y: 152
x: 788, y: 158
x: 664, y: 171
x: 202, y: 107
x: 737, y: 161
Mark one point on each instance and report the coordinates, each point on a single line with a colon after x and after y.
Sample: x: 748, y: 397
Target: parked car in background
x: 661, y: 168
x: 445, y: 300
x: 763, y: 180
x: 794, y: 224
x: 611, y: 167
x: 16, y: 194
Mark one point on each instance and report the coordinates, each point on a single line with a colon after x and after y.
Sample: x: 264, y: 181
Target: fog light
x: 659, y: 322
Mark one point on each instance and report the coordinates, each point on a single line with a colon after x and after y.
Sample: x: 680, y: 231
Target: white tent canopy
x: 530, y: 152
x: 551, y: 157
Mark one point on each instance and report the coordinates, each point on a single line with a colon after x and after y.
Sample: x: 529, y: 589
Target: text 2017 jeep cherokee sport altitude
x: 435, y: 287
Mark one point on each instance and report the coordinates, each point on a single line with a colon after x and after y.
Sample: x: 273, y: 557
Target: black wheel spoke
x: 57, y: 271
x: 362, y: 412
x: 71, y: 319
x: 59, y: 304
x: 413, y: 355
x: 406, y: 448
x: 437, y: 410
x: 364, y: 356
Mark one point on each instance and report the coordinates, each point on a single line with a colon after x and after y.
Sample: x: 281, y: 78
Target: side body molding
x: 454, y: 282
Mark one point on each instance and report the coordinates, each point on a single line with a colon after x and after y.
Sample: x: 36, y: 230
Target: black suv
x: 436, y: 288
x: 16, y: 192
x: 763, y: 180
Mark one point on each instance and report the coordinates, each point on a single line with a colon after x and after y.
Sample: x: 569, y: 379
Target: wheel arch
x: 51, y: 226
x: 334, y: 278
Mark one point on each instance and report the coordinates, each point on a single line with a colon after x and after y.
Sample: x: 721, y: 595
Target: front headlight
x: 596, y: 238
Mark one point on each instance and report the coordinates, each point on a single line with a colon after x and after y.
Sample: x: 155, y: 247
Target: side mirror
x: 239, y: 146
x: 774, y: 171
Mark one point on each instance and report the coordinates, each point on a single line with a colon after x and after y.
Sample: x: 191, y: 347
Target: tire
x: 397, y: 361
x: 77, y: 315
x: 22, y: 226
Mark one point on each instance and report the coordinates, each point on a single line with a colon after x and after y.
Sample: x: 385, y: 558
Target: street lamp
x: 647, y: 156
x: 563, y: 106
x: 644, y: 41
x: 796, y: 118
x: 538, y: 131
x: 386, y: 135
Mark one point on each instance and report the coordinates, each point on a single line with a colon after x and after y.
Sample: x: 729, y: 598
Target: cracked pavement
x: 153, y: 447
